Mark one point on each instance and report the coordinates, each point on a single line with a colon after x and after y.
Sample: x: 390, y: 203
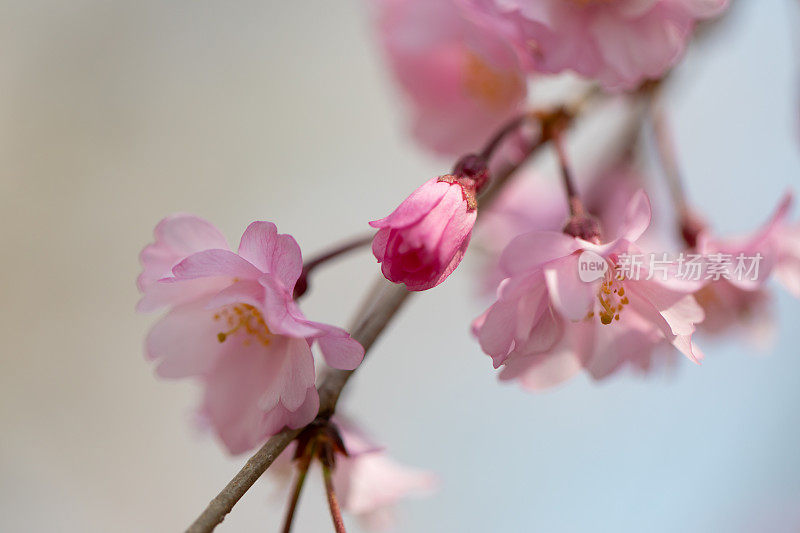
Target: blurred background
x: 114, y: 114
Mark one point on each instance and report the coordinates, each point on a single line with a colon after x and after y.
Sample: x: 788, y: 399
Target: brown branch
x: 354, y: 244
x: 222, y: 504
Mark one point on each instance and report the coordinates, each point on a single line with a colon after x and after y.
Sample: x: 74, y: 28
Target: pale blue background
x: 115, y: 113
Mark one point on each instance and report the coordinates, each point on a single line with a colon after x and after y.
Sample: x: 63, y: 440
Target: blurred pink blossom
x: 456, y: 61
x: 547, y: 323
x: 619, y: 43
x: 368, y: 482
x: 425, y: 238
x: 745, y: 304
x: 232, y: 323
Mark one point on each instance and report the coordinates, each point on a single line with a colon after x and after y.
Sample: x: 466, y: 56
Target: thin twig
x: 573, y: 199
x: 501, y: 177
x: 333, y: 502
x: 302, y: 470
x: 668, y: 156
x: 354, y: 244
x: 500, y: 136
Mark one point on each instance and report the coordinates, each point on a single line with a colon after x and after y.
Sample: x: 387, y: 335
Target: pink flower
x: 368, y: 482
x: 425, y: 238
x: 619, y: 43
x: 548, y: 323
x: 456, y: 62
x: 535, y: 202
x: 739, y: 299
x: 232, y: 323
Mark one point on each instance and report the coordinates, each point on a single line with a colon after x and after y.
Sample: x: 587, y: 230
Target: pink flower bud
x: 424, y: 239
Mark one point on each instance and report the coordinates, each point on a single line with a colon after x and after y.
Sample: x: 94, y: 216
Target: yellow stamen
x: 246, y: 318
x: 611, y: 297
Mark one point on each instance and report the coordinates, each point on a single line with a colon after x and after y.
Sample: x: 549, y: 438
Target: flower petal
x: 423, y: 200
x: 271, y: 252
x: 281, y: 312
x: 184, y: 342
x: 338, y: 348
x: 255, y: 391
x: 215, y: 263
x: 637, y: 217
x: 531, y: 250
x: 571, y: 296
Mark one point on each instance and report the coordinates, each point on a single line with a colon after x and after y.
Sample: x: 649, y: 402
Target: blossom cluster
x: 465, y: 64
x: 577, y: 287
x: 565, y: 305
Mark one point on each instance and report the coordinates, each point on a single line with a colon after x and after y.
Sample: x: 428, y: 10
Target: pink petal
x: 338, y: 348
x: 255, y: 391
x: 417, y: 205
x: 176, y: 237
x: 531, y: 250
x: 169, y: 292
x: 379, y: 243
x: 281, y: 312
x: 628, y: 340
x: 680, y: 311
x: 456, y: 234
x: 184, y: 342
x: 685, y: 345
x: 247, y: 291
x: 571, y: 297
x: 543, y: 371
x: 215, y: 263
x: 637, y: 217
x: 270, y: 252
x: 496, y: 335
x: 544, y: 335
x: 372, y: 481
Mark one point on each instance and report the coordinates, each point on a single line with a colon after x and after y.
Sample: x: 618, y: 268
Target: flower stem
x: 573, y: 199
x: 302, y: 471
x: 668, y: 157
x: 507, y: 129
x: 333, y: 502
x: 348, y: 246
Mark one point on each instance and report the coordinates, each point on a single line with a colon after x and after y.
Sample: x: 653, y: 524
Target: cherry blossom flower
x: 549, y: 321
x: 456, y: 62
x: 232, y: 323
x: 739, y: 299
x: 368, y: 482
x: 619, y: 43
x: 534, y: 202
x: 425, y: 238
